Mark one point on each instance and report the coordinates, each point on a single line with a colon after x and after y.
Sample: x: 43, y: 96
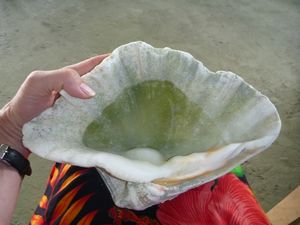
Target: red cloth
x: 76, y: 195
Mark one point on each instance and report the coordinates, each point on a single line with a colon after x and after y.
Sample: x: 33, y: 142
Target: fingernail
x: 87, y: 90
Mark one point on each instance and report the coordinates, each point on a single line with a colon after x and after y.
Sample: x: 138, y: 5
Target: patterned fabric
x: 76, y: 195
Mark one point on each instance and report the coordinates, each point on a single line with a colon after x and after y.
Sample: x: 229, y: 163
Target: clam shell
x: 159, y: 116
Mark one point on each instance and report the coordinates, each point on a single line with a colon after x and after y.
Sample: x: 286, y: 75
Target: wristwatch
x: 15, y: 159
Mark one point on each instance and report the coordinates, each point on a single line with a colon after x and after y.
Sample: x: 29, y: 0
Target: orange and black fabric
x: 76, y: 195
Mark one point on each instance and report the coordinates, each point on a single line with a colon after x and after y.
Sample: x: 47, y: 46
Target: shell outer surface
x: 202, y: 124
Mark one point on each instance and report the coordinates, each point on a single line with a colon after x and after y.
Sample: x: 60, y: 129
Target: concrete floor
x: 259, y: 40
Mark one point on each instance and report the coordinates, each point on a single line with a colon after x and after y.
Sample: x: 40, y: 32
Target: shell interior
x: 158, y: 116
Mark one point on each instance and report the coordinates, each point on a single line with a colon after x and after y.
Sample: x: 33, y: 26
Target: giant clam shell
x: 159, y: 116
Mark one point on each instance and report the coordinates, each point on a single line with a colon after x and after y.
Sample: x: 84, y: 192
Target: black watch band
x: 16, y: 160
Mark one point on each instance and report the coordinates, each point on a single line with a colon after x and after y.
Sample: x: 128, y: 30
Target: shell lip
x: 169, y: 179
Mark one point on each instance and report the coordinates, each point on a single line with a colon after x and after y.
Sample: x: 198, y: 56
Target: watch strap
x: 17, y: 161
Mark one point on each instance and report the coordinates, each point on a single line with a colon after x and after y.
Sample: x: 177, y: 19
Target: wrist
x: 11, y: 131
x: 16, y: 160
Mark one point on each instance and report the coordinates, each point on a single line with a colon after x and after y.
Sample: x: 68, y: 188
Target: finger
x: 88, y: 64
x: 44, y: 83
x: 56, y: 95
x: 70, y: 81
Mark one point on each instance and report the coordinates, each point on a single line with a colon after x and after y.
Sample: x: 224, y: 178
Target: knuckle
x: 68, y: 71
x: 33, y: 76
x: 69, y: 75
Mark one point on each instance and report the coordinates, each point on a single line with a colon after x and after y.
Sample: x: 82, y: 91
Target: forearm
x: 10, y: 179
x: 10, y: 183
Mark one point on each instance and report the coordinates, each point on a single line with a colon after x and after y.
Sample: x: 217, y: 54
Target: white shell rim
x: 136, y: 171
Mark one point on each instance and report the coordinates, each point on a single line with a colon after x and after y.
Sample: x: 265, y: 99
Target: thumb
x: 69, y: 80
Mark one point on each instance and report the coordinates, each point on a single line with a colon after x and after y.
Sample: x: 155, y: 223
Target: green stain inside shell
x: 152, y: 114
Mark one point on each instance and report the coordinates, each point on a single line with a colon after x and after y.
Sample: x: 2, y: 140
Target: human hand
x: 38, y: 92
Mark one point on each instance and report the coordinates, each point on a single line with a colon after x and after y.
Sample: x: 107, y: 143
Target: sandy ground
x: 259, y: 40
